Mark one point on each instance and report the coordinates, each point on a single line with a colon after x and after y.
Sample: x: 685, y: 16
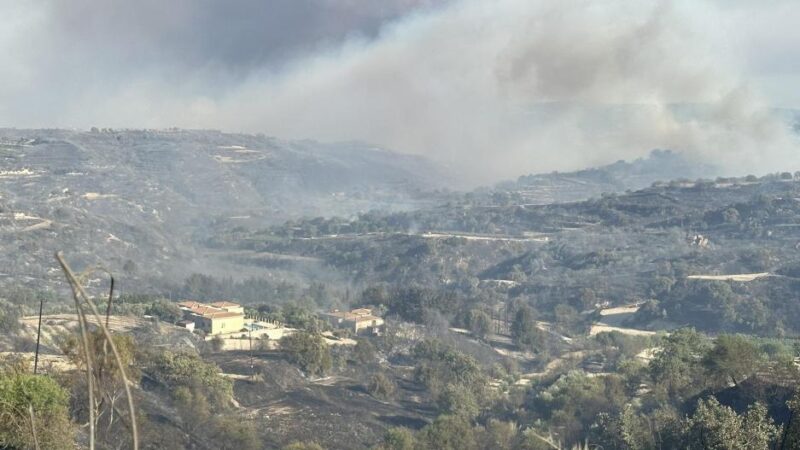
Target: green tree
x: 458, y: 400
x: 375, y: 295
x: 718, y: 296
x: 717, y: 427
x: 381, y: 386
x: 193, y: 408
x: 524, y: 331
x: 299, y: 317
x: 233, y: 433
x: 714, y: 425
x: 165, y: 310
x: 733, y: 357
x: 448, y: 433
x: 479, y: 323
x: 398, y: 438
x: 500, y: 435
x: 567, y: 318
x: 661, y: 286
x: 628, y: 430
x: 676, y: 368
x: 791, y: 433
x: 174, y: 370
x: 308, y: 350
x: 33, y: 403
x: 758, y: 429
x: 364, y: 352
x: 439, y: 364
x: 572, y: 403
x: 649, y: 311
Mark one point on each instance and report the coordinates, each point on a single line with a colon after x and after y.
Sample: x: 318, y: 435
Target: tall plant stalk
x: 80, y: 296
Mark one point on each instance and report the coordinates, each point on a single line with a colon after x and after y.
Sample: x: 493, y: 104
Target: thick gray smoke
x: 494, y: 89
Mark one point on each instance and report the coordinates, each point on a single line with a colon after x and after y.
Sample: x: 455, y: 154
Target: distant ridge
x: 562, y: 187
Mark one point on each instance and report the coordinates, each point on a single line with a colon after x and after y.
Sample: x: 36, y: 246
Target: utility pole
x: 38, y: 336
x: 252, y: 371
x: 110, y: 299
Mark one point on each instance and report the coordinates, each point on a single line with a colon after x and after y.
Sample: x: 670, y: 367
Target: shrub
x: 308, y: 350
x: 19, y: 394
x: 381, y: 386
x: 165, y: 310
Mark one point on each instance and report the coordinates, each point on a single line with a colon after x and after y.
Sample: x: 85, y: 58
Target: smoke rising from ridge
x: 494, y: 89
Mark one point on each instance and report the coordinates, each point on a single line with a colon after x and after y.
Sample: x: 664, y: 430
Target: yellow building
x: 229, y: 306
x: 216, y: 318
x: 220, y: 322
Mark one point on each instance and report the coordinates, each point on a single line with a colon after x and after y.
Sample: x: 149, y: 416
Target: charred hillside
x: 139, y: 199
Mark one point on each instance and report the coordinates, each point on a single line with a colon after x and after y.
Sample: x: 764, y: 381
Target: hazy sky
x: 495, y: 88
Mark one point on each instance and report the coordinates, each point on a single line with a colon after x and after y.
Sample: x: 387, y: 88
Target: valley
x: 497, y: 301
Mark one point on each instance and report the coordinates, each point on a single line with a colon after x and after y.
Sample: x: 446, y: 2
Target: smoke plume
x: 493, y: 89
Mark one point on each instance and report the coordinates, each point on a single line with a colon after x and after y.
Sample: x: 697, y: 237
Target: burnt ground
x: 336, y: 410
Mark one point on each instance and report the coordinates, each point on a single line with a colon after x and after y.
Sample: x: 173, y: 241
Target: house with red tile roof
x: 216, y: 318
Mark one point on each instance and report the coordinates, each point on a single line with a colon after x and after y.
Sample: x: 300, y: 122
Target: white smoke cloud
x: 495, y: 89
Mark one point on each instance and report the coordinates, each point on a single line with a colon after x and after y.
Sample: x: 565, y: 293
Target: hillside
x: 688, y: 247
x: 144, y: 201
x: 568, y: 319
x: 139, y: 199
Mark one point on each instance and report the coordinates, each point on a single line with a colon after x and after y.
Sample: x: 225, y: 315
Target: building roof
x: 222, y: 315
x: 369, y: 318
x: 202, y: 310
x: 217, y: 311
x: 189, y: 304
x: 356, y: 315
x: 225, y: 304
